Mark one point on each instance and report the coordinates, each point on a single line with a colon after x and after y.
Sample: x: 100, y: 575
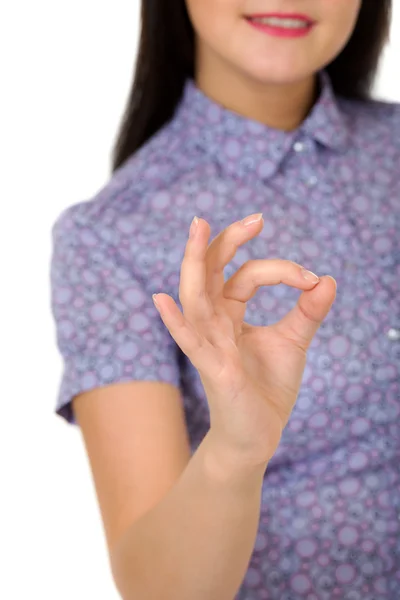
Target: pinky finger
x: 189, y: 341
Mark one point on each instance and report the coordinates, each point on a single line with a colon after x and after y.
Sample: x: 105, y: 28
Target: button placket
x: 306, y: 146
x: 298, y: 146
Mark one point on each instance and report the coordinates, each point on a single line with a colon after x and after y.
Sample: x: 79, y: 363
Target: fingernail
x: 256, y: 218
x: 309, y: 275
x: 193, y: 227
x: 154, y: 296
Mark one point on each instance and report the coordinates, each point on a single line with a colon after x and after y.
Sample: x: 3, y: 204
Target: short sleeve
x: 107, y: 327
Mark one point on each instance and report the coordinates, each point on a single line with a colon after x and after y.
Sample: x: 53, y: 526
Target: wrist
x: 229, y: 467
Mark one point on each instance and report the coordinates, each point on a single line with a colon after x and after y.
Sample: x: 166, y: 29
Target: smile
x: 282, y: 26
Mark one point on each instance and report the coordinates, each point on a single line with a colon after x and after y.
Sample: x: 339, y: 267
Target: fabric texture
x: 330, y: 196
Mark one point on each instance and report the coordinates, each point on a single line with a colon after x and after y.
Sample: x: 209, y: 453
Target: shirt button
x: 298, y: 146
x: 312, y: 180
x: 393, y: 334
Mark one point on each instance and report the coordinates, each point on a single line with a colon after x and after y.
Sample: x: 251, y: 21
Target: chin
x: 280, y: 74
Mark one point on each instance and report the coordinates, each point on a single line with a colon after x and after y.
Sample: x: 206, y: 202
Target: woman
x: 251, y: 459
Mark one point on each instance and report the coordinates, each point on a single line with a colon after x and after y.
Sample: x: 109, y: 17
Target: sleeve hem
x: 64, y: 407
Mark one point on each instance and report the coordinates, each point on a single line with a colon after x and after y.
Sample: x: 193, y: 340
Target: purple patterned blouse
x: 330, y: 194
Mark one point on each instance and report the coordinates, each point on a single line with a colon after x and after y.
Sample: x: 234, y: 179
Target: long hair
x: 166, y: 58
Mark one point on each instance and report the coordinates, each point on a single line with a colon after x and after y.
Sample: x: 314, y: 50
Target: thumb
x: 303, y: 321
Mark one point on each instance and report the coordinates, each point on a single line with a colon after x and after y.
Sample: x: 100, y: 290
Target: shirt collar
x: 244, y: 146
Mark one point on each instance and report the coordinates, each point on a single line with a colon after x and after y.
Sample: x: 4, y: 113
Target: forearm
x: 197, y: 542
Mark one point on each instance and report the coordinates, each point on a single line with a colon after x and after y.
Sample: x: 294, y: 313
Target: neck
x: 278, y: 105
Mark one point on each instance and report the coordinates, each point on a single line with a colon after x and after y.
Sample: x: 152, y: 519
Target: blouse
x: 329, y: 192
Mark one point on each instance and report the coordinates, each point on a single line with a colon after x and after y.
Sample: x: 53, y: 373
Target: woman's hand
x: 251, y: 375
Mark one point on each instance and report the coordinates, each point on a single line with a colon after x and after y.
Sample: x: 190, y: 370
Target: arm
x: 197, y: 541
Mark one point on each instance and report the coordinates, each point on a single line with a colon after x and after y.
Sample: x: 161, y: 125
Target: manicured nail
x: 256, y: 218
x: 193, y: 227
x: 154, y: 296
x: 309, y: 275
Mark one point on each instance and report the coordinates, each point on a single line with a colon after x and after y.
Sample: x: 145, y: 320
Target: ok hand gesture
x: 251, y: 375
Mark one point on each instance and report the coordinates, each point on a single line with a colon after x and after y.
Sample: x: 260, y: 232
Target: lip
x: 304, y: 18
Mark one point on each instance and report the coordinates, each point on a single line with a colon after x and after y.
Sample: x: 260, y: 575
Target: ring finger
x: 193, y: 297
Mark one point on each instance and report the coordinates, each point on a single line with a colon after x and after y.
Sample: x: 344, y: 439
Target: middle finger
x: 223, y: 249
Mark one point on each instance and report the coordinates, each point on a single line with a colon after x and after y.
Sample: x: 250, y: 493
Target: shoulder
x: 375, y: 121
x: 372, y: 110
x: 140, y: 218
x: 143, y: 179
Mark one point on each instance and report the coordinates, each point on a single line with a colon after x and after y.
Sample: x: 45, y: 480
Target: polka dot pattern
x: 330, y: 195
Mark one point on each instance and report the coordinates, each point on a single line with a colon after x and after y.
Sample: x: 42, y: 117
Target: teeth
x: 275, y: 21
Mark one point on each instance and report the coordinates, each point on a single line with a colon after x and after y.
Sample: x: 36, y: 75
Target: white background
x: 65, y: 72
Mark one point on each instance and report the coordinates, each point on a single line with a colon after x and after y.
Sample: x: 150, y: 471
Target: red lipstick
x: 282, y: 30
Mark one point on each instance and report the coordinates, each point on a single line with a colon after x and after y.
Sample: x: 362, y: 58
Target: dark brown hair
x: 166, y: 58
